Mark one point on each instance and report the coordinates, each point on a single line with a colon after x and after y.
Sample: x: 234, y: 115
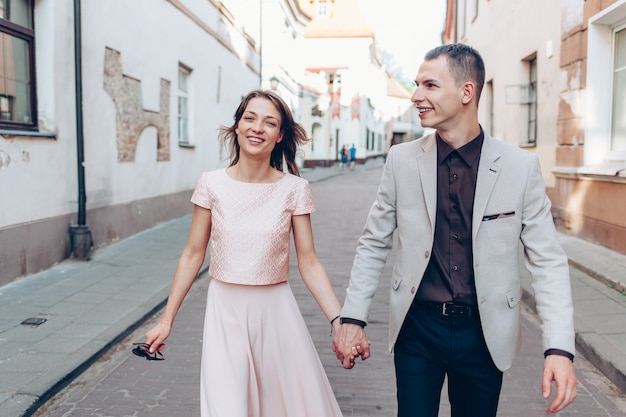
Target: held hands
x: 350, y: 342
x: 560, y: 370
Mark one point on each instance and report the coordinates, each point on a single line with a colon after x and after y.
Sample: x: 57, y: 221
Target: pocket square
x: 498, y: 216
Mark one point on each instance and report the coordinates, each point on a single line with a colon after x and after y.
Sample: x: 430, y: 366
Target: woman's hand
x: 157, y: 335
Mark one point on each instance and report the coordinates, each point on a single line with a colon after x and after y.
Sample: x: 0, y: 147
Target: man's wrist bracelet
x: 348, y: 320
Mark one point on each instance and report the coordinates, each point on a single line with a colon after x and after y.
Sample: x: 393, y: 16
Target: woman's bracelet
x: 331, y: 323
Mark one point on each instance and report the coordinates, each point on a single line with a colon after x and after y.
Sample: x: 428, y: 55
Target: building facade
x: 155, y: 81
x: 355, y: 101
x: 109, y: 111
x: 519, y: 102
x: 564, y: 80
x: 590, y: 190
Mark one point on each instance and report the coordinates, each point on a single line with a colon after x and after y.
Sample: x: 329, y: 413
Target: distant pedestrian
x: 258, y: 358
x: 344, y: 157
x: 461, y: 204
x: 352, y: 157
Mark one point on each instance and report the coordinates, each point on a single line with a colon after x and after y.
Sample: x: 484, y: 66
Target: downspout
x: 80, y: 236
x: 260, y: 43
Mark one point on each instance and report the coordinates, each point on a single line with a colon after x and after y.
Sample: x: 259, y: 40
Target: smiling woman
x: 254, y: 331
x: 268, y: 114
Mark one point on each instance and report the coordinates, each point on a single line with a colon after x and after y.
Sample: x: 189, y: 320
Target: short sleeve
x: 201, y: 195
x: 305, y: 203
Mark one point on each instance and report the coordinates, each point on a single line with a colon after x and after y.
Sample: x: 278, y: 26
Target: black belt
x: 449, y: 309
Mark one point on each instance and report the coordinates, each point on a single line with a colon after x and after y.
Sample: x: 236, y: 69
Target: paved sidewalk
x: 91, y: 306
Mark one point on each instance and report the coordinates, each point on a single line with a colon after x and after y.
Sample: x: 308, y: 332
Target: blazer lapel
x: 488, y: 172
x: 427, y: 165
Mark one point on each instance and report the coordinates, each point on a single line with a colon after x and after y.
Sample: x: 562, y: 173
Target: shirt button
x: 455, y: 237
x: 455, y: 268
x: 454, y: 176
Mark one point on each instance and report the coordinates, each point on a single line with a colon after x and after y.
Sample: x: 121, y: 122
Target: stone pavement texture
x: 93, y: 309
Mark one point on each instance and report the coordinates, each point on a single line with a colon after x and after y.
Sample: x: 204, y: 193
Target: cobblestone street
x: 121, y: 384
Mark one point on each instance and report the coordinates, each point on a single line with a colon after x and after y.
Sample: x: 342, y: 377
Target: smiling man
x: 460, y: 203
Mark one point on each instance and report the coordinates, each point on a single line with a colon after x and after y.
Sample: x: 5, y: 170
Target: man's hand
x: 560, y: 370
x: 350, y: 342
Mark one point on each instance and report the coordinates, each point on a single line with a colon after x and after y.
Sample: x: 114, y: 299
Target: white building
x: 158, y: 79
x: 357, y: 100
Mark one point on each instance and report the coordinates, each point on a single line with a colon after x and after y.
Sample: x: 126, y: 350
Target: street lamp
x: 274, y: 82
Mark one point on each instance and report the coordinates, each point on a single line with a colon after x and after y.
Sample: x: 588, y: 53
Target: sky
x: 405, y: 28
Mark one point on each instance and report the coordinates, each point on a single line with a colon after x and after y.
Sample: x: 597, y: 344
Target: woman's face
x: 258, y: 130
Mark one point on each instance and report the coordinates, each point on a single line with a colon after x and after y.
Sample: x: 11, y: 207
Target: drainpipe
x: 80, y: 236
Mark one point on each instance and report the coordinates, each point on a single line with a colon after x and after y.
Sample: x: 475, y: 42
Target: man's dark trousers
x: 432, y: 345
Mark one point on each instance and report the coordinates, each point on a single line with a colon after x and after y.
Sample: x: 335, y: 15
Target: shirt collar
x: 468, y: 152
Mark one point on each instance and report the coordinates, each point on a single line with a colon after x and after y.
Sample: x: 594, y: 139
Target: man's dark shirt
x: 450, y: 273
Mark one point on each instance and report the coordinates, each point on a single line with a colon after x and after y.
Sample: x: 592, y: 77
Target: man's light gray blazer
x: 510, y: 206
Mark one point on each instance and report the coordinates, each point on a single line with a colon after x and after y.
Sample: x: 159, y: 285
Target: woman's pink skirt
x: 258, y: 359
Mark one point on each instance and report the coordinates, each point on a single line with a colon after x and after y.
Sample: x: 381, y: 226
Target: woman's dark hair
x: 464, y: 62
x: 293, y: 133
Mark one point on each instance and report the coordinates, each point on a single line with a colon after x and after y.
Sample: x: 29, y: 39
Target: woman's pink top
x: 251, y: 225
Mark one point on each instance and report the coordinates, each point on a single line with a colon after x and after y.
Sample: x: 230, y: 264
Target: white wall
x: 505, y: 33
x: 41, y: 175
x: 152, y: 37
x: 150, y: 51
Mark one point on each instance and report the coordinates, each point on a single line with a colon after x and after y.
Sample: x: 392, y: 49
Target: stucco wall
x: 134, y: 176
x: 505, y: 34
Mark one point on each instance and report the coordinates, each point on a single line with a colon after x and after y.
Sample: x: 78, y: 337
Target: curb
x: 601, y: 354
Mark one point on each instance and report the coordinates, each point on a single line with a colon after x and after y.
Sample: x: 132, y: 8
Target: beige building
x: 563, y: 64
x: 519, y: 102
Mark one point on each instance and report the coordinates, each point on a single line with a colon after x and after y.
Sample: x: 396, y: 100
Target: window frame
x: 617, y: 29
x: 322, y: 9
x: 187, y: 117
x: 599, y: 84
x: 28, y: 35
x: 531, y: 123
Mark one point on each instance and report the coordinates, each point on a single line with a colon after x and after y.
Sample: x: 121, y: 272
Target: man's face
x: 437, y: 96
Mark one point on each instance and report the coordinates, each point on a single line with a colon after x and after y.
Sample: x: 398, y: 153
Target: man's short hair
x: 464, y: 62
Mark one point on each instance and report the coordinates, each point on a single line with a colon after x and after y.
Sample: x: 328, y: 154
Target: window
x: 524, y: 95
x: 486, y: 107
x: 184, y: 75
x: 532, y: 101
x: 462, y: 17
x: 605, y: 127
x: 18, y: 108
x: 219, y: 83
x: 322, y: 8
x: 618, y: 123
x: 475, y: 10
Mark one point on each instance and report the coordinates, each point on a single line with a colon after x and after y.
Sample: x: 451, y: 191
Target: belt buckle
x: 444, y: 310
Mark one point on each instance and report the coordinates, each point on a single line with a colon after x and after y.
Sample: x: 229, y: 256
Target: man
x: 460, y: 203
x: 352, y: 156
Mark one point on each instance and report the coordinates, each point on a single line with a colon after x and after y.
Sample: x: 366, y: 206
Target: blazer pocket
x: 497, y: 216
x: 513, y: 298
x: 395, y: 282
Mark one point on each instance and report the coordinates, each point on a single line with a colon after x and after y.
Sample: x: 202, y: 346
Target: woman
x: 258, y: 358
